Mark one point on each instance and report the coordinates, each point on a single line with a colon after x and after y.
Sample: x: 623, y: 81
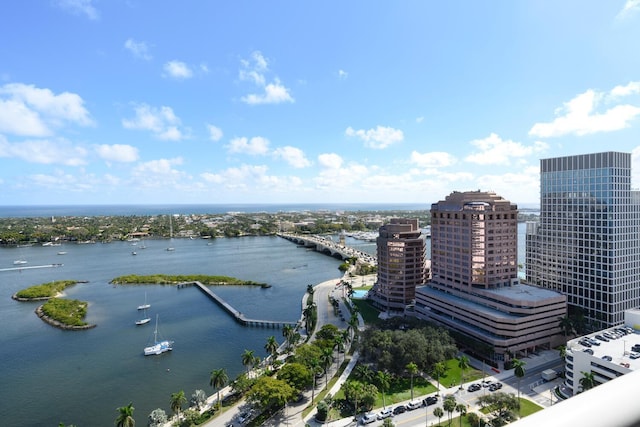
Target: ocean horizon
x: 39, y: 211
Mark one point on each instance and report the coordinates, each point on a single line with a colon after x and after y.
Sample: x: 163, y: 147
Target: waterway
x: 81, y: 377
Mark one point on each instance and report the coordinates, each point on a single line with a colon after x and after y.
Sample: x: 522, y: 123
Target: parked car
x: 385, y: 413
x: 430, y: 400
x: 607, y: 358
x: 368, y: 418
x: 414, y: 405
x: 474, y: 387
x: 401, y: 409
x: 588, y: 350
x: 634, y: 355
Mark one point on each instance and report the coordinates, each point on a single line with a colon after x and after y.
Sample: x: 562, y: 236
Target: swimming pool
x: 359, y: 294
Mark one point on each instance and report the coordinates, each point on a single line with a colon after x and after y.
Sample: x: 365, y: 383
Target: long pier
x: 238, y: 316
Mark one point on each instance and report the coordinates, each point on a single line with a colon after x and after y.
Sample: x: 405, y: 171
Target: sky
x: 365, y: 101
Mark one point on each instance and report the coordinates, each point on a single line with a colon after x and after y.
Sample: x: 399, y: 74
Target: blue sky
x: 128, y: 101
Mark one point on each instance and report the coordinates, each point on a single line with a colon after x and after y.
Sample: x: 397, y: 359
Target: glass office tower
x: 587, y: 243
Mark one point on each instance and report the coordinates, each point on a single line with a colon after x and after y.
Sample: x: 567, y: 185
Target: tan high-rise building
x: 402, y: 264
x: 474, y: 287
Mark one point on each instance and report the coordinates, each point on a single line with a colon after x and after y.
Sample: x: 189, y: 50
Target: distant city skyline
x: 127, y: 102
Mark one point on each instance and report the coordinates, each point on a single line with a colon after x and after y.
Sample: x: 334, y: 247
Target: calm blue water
x: 52, y: 376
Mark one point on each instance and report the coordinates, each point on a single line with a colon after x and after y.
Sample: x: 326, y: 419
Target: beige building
x: 402, y: 265
x: 475, y: 288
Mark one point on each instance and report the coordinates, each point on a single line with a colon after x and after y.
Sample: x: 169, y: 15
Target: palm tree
x: 566, y: 324
x: 326, y: 359
x: 177, y: 400
x: 310, y: 291
x: 309, y: 313
x: 587, y: 381
x: 125, y: 416
x: 438, y: 370
x: 449, y: 405
x: 562, y: 350
x: 383, y: 379
x: 518, y: 371
x: 353, y: 324
x: 287, y: 333
x: 412, y: 368
x: 463, y: 364
x: 248, y: 358
x: 438, y: 412
x: 218, y: 380
x: 338, y: 343
x: 462, y: 409
x: 272, y: 348
x: 314, y: 364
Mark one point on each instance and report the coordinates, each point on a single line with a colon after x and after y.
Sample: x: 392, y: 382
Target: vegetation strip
x: 165, y: 279
x: 64, y: 313
x: 43, y: 291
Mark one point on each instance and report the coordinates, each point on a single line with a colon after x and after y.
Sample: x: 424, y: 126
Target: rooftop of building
x: 618, y: 348
x: 516, y: 292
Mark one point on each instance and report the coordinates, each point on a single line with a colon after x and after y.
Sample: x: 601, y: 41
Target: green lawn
x: 452, y: 376
x: 368, y: 312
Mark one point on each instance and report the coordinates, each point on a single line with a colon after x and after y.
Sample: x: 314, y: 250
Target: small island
x: 164, y: 279
x: 58, y: 312
x: 43, y: 291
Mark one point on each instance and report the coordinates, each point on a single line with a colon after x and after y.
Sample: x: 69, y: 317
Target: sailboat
x: 145, y: 305
x: 158, y: 347
x: 146, y: 319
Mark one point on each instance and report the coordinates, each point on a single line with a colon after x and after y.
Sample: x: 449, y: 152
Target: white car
x: 414, y: 405
x: 368, y: 418
x: 385, y: 413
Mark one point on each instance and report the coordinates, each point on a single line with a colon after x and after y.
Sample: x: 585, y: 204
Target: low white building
x: 608, y: 354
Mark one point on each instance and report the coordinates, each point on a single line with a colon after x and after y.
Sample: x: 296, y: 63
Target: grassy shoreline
x: 166, y: 279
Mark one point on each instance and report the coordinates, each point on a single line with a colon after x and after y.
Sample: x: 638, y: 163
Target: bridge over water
x: 329, y: 247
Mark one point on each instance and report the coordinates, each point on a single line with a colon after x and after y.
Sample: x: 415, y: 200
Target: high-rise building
x: 587, y: 242
x: 475, y: 288
x: 402, y: 264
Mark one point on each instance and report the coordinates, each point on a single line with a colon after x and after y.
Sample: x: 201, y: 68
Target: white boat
x: 158, y: 347
x: 145, y: 305
x: 134, y: 253
x: 62, y: 253
x: 146, y: 319
x: 19, y: 262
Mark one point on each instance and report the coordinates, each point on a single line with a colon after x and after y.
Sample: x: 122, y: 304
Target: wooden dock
x: 240, y: 318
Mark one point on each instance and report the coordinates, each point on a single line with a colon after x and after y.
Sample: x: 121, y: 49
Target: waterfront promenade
x: 292, y: 415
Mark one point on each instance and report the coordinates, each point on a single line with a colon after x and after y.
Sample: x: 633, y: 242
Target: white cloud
x: 80, y: 7
x: 59, y: 151
x: 30, y: 111
x: 293, y: 156
x: 117, y: 153
x: 351, y: 173
x: 254, y: 146
x: 626, y: 90
x: 496, y: 151
x: 630, y: 8
x: 435, y: 159
x: 252, y: 177
x: 178, y: 70
x: 215, y: 133
x: 253, y: 70
x: 330, y: 161
x: 274, y: 93
x: 342, y: 75
x: 379, y: 138
x: 139, y: 49
x: 162, y: 122
x: 579, y: 116
x: 158, y: 173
